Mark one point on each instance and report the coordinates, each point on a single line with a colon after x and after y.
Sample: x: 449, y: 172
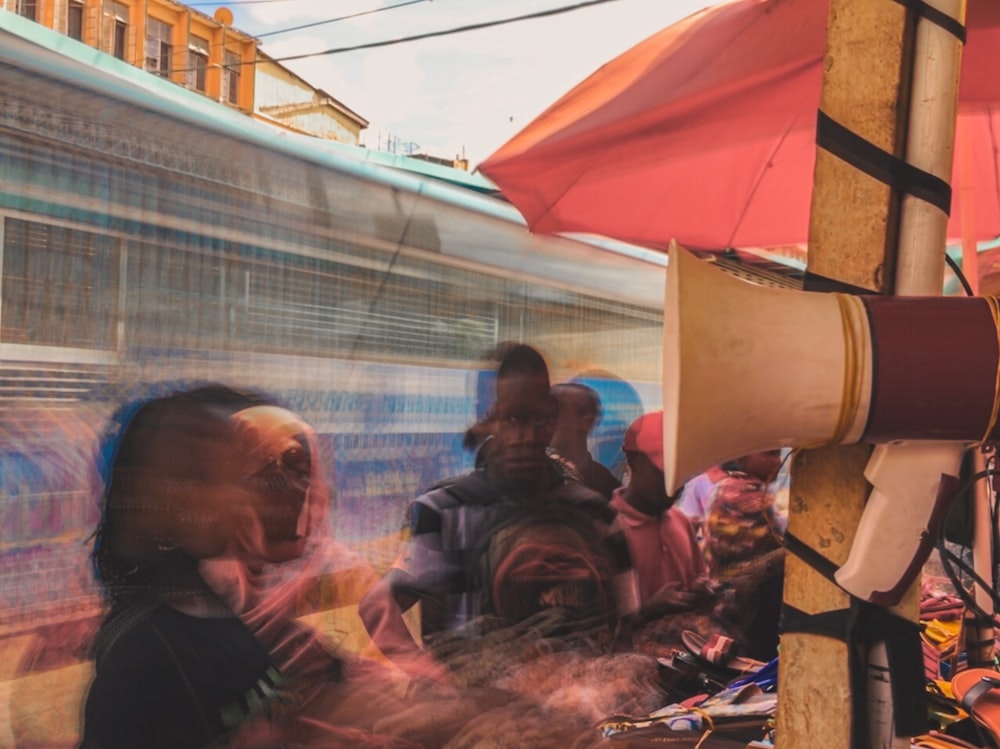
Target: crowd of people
x: 215, y: 519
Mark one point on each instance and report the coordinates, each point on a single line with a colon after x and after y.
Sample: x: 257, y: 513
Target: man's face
x: 647, y: 487
x: 576, y: 411
x: 526, y: 416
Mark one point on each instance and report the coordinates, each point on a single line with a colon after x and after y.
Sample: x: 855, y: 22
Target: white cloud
x: 471, y: 90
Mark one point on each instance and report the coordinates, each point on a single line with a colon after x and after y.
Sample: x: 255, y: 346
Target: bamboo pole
x: 923, y: 236
x: 853, y: 236
x: 930, y: 146
x: 826, y: 508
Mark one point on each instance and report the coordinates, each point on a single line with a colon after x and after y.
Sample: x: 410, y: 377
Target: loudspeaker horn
x: 749, y: 368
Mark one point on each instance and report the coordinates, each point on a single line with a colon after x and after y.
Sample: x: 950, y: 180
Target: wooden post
x: 866, y: 234
x: 853, y: 234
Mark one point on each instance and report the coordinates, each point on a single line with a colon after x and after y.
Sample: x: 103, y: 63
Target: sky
x: 452, y: 96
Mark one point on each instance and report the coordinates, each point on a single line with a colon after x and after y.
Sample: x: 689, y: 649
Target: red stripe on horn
x: 934, y: 368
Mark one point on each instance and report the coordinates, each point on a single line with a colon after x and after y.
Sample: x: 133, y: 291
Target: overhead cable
x: 431, y: 34
x: 339, y: 18
x: 446, y: 32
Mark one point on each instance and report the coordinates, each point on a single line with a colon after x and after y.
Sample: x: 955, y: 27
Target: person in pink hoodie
x: 670, y: 566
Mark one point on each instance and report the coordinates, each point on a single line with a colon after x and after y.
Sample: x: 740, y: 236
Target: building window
x: 231, y: 77
x: 118, y: 49
x: 158, y: 47
x: 74, y: 21
x: 28, y: 9
x: 115, y: 28
x: 197, y: 62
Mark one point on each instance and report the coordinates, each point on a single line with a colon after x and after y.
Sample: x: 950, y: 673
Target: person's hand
x: 675, y: 596
x: 705, y: 586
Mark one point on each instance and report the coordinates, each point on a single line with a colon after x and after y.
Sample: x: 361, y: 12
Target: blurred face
x: 279, y: 466
x: 647, y: 490
x: 576, y: 410
x: 525, y: 422
x: 188, y: 494
x: 210, y: 510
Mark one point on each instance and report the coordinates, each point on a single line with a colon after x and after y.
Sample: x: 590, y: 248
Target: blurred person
x: 275, y: 572
x: 621, y: 404
x: 175, y: 667
x: 268, y: 573
x: 697, y: 495
x: 744, y: 546
x: 669, y: 564
x: 746, y: 522
x: 579, y: 412
x: 514, y: 485
x: 206, y: 489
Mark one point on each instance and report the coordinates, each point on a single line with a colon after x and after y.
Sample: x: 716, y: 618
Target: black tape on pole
x: 865, y: 624
x: 816, y: 282
x: 937, y: 17
x: 852, y: 148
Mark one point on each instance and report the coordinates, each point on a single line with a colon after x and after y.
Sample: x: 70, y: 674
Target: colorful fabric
x: 741, y: 524
x: 746, y: 701
x: 940, y: 643
x: 696, y: 498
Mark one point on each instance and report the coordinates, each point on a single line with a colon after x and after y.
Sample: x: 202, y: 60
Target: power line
x: 305, y: 25
x: 418, y: 37
x: 445, y: 32
x: 338, y: 18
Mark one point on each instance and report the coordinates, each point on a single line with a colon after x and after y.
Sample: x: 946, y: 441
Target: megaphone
x: 749, y: 368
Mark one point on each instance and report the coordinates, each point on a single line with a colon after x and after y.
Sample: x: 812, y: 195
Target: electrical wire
x: 957, y: 270
x: 428, y: 35
x: 950, y: 560
x: 305, y: 25
x: 340, y: 18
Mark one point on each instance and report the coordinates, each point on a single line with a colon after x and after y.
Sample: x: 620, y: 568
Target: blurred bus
x: 149, y: 237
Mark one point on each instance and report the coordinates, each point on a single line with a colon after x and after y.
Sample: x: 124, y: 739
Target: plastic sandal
x: 978, y: 691
x: 937, y: 740
x: 718, y: 650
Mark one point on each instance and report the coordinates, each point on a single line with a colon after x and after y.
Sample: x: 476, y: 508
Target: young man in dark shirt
x: 447, y: 567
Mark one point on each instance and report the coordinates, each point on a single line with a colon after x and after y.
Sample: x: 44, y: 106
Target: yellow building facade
x: 168, y: 39
x: 285, y: 100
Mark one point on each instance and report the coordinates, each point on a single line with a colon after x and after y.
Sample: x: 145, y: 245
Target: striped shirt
x: 452, y: 525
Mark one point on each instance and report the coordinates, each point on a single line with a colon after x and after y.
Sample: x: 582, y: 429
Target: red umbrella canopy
x: 706, y: 132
